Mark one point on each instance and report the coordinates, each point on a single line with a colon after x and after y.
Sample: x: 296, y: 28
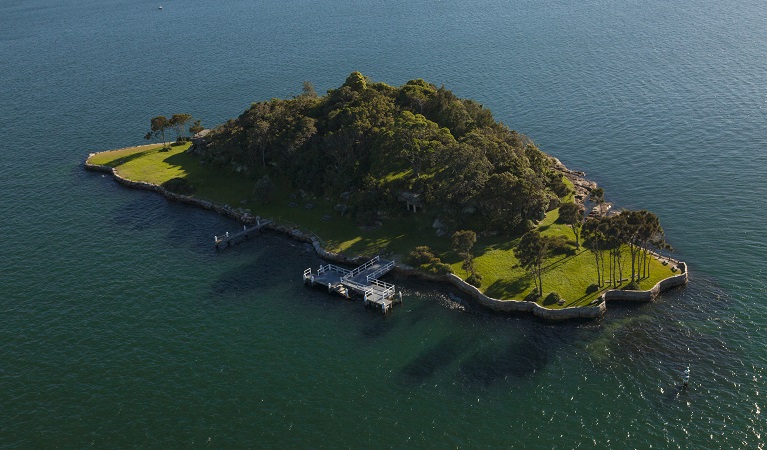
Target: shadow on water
x: 520, y: 359
x: 141, y: 214
x: 434, y: 359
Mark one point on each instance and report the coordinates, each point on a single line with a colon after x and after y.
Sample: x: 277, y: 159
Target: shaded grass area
x: 570, y: 275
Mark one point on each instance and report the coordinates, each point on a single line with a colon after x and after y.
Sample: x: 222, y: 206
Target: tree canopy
x: 378, y: 141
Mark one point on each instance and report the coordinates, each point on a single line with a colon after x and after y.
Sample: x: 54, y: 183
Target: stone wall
x: 577, y: 312
x: 504, y: 306
x: 648, y: 296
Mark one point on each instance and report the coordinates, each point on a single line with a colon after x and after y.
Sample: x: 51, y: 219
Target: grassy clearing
x: 568, y: 275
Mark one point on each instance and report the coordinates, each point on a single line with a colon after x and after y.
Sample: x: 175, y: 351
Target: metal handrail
x: 333, y: 267
x: 381, y: 271
x: 363, y: 267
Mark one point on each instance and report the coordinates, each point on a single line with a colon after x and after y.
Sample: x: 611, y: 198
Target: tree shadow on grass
x: 128, y: 158
x: 504, y: 289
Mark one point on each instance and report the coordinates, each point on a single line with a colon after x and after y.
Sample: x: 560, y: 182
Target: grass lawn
x: 568, y: 275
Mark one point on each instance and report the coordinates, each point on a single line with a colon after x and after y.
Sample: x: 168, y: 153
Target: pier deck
x: 363, y: 280
x: 228, y: 239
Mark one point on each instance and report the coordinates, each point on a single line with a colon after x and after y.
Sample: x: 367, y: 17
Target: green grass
x: 568, y: 275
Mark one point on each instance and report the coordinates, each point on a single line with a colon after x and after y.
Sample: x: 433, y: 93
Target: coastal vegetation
x: 418, y: 174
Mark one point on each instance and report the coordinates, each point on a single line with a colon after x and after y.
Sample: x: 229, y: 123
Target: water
x: 120, y: 326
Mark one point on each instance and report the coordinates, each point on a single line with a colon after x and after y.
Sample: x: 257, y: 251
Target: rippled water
x: 119, y: 325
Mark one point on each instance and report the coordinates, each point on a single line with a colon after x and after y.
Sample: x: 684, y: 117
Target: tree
x: 179, y: 121
x: 462, y: 242
x: 572, y: 214
x: 308, y: 90
x: 157, y: 127
x: 196, y: 127
x: 593, y: 239
x: 597, y: 196
x: 356, y: 81
x: 531, y: 251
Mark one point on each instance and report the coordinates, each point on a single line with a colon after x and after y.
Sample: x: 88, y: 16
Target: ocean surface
x: 120, y: 326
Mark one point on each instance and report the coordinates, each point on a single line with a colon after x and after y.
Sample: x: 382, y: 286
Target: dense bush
x: 633, y: 286
x: 421, y: 255
x: 475, y: 280
x: 592, y: 288
x: 558, y: 245
x: 377, y: 141
x: 533, y: 296
x: 552, y: 298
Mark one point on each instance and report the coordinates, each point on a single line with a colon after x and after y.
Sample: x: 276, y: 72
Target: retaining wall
x: 505, y: 306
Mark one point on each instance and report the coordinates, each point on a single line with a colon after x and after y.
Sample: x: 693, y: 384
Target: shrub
x: 633, y: 286
x: 533, y: 296
x: 475, y: 280
x: 421, y: 255
x: 439, y: 268
x: 558, y: 245
x: 179, y: 186
x: 592, y: 288
x: 553, y: 297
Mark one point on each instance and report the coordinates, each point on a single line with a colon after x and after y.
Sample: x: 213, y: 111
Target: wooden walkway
x: 229, y: 239
x: 363, y: 280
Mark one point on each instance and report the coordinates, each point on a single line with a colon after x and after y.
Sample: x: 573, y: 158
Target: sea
x: 121, y: 326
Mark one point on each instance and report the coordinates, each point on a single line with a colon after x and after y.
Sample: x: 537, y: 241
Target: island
x: 429, y: 180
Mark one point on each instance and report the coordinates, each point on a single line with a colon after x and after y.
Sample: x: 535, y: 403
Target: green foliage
x: 533, y: 296
x: 196, y: 127
x: 421, y: 255
x: 157, y: 127
x: 552, y: 298
x: 558, y: 245
x: 502, y: 275
x: 468, y: 169
x: 531, y: 251
x: 463, y: 241
x: 356, y: 81
x: 437, y: 267
x: 178, y: 122
x: 475, y: 280
x: 592, y: 288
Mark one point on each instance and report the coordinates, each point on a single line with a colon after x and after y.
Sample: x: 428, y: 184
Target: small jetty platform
x: 362, y: 281
x: 228, y: 239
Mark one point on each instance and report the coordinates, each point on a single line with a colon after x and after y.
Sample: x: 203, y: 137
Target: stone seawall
x: 504, y: 306
x: 648, y: 296
x: 576, y: 312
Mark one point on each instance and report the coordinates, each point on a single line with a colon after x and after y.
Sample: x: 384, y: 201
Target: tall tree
x: 593, y: 239
x: 196, y: 127
x: 308, y: 90
x: 572, y: 214
x: 178, y: 122
x: 597, y: 196
x: 157, y: 127
x: 531, y: 251
x: 463, y: 241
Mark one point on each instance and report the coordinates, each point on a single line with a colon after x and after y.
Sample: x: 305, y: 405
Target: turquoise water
x: 120, y: 326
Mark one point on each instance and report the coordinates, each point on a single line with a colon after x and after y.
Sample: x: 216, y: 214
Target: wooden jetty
x: 363, y: 281
x: 228, y: 239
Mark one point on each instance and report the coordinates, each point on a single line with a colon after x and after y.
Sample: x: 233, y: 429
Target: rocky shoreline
x: 596, y: 309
